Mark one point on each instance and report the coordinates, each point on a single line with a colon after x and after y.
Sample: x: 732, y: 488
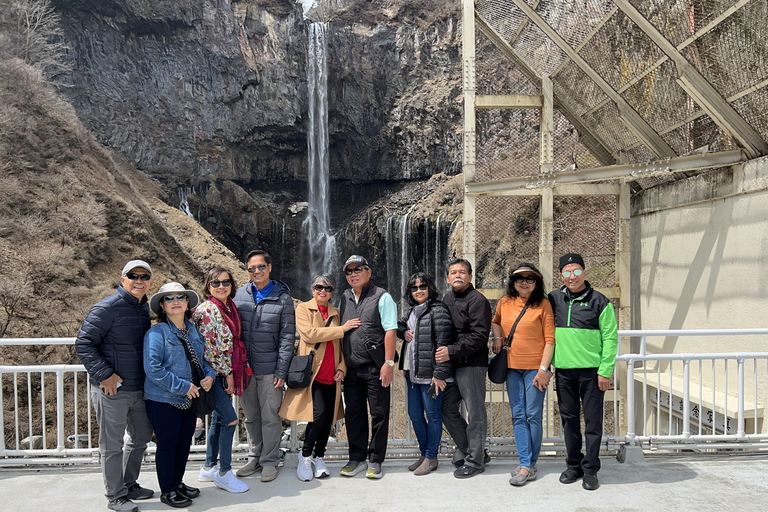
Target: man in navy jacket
x: 110, y: 345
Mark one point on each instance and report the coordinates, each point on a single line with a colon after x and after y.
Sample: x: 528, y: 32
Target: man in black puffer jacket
x: 269, y: 326
x: 110, y: 345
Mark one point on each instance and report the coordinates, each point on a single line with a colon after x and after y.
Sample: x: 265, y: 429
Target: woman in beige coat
x: 317, y: 323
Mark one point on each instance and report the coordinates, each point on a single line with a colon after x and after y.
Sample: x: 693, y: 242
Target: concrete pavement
x: 677, y: 483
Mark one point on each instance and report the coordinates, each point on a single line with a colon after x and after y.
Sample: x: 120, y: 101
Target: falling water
x: 317, y: 226
x: 405, y: 261
x: 184, y: 192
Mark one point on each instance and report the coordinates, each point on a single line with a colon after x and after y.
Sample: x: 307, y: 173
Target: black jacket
x: 434, y: 328
x: 111, y: 340
x: 269, y: 329
x: 471, y: 314
x: 370, y: 331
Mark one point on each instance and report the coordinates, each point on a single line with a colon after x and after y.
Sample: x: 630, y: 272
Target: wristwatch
x: 390, y: 362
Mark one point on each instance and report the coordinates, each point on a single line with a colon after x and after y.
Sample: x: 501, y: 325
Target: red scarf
x: 240, y: 369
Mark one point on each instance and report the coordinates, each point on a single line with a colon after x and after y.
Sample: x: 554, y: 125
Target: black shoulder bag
x: 205, y: 403
x: 300, y: 369
x: 497, y: 368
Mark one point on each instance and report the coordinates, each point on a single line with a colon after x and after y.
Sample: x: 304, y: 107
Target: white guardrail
x: 659, y: 402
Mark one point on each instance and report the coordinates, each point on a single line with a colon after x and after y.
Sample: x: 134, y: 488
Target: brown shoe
x: 415, y: 465
x: 426, y: 467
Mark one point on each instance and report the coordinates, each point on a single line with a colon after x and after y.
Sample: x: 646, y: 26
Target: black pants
x: 318, y: 430
x: 574, y: 386
x: 362, y: 384
x: 174, y: 428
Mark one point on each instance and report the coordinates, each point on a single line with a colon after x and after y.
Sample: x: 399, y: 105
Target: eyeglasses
x: 181, y: 297
x: 224, y: 283
x: 527, y: 279
x: 568, y: 273
x: 260, y: 268
x: 320, y: 288
x: 355, y: 270
x: 421, y: 287
x: 134, y: 277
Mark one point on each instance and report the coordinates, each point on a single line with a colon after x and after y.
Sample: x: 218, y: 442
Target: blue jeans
x: 527, y: 404
x: 221, y: 432
x: 428, y: 430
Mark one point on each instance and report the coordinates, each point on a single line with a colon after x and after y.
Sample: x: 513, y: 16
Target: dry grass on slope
x: 71, y: 215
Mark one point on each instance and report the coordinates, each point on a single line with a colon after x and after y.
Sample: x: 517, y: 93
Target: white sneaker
x: 304, y: 471
x: 229, y: 482
x: 207, y: 474
x: 321, y: 471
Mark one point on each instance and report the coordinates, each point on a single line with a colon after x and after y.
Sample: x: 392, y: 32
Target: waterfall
x: 405, y: 262
x: 321, y: 243
x: 391, y: 253
x: 439, y: 276
x: 184, y: 191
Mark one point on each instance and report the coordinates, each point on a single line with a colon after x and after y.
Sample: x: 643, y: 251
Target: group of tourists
x: 240, y: 341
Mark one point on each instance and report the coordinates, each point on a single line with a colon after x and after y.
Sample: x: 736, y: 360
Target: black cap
x: 356, y: 260
x: 569, y: 258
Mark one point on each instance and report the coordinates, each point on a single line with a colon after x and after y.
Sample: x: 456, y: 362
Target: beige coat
x: 297, y: 404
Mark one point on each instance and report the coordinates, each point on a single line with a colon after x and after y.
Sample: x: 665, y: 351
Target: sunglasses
x: 181, y: 297
x: 260, y: 268
x: 355, y: 270
x: 527, y: 279
x: 224, y: 283
x: 320, y: 288
x: 568, y: 273
x: 134, y: 277
x: 415, y: 288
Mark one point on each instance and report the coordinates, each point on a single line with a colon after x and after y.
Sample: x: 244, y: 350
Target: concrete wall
x: 700, y: 261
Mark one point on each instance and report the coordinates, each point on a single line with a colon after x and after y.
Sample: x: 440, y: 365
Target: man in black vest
x: 471, y: 313
x: 369, y: 351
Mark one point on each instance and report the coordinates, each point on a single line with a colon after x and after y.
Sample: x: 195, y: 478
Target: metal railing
x: 698, y: 406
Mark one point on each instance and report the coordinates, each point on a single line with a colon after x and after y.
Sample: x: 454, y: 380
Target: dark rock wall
x: 212, y: 94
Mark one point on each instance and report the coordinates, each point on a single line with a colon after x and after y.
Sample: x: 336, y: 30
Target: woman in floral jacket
x: 218, y: 321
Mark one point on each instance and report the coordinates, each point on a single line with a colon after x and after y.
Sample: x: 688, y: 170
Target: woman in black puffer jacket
x: 425, y: 327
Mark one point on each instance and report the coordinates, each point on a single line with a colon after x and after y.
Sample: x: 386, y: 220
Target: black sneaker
x: 590, y: 482
x: 189, y: 492
x: 466, y: 471
x: 122, y: 504
x: 137, y: 492
x: 175, y: 500
x: 570, y: 475
x: 487, y: 457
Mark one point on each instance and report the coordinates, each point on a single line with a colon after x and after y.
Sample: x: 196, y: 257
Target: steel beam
x: 546, y: 128
x: 565, y: 189
x: 501, y: 101
x: 469, y: 161
x: 634, y: 121
x: 524, y: 24
x: 699, y: 88
x: 588, y: 137
x: 587, y: 39
x: 677, y: 164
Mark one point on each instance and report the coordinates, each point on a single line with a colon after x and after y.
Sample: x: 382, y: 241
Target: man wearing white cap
x: 110, y: 345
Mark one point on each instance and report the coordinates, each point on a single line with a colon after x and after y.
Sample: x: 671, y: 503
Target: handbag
x: 205, y: 403
x: 300, y: 369
x: 497, y: 368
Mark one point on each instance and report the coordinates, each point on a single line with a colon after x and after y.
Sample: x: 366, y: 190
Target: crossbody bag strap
x: 514, y: 326
x: 317, y: 345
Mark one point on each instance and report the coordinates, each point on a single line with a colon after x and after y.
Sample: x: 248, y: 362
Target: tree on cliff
x: 30, y: 30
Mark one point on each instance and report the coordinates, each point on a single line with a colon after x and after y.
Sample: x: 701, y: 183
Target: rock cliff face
x: 212, y: 95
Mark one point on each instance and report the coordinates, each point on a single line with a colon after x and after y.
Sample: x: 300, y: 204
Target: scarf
x: 240, y: 370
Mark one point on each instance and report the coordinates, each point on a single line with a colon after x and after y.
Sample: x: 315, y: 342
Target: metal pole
x: 60, y: 411
x: 740, y: 400
x: 631, y: 402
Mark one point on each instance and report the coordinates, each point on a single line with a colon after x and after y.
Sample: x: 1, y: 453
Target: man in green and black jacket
x: 586, y: 337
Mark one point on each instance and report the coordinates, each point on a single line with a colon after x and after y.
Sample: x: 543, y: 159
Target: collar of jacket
x: 312, y: 306
x: 464, y: 293
x: 279, y: 288
x: 582, y: 294
x: 364, y: 292
x: 130, y: 298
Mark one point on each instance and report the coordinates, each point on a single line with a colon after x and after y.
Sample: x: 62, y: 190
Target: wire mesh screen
x: 569, y: 152
x: 507, y: 144
x: 574, y: 87
x: 752, y: 108
x: 574, y: 19
x: 587, y: 225
x: 734, y: 55
x: 610, y: 127
x: 495, y: 74
x: 507, y: 232
x: 699, y: 133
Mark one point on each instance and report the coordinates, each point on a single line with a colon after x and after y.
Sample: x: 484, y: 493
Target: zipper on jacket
x: 570, y: 305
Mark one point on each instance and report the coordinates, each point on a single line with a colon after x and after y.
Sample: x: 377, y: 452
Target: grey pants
x: 261, y: 401
x: 121, y: 455
x: 468, y: 385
